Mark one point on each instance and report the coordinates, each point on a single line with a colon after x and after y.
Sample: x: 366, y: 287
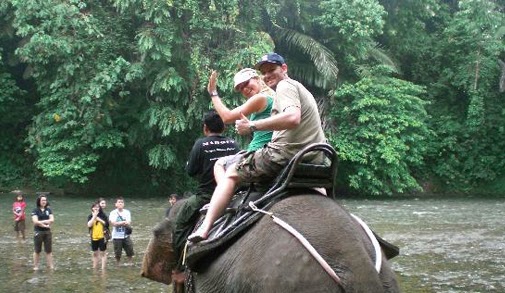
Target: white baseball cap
x: 243, y: 76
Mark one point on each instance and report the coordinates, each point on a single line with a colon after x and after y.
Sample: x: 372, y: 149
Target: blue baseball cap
x: 272, y: 58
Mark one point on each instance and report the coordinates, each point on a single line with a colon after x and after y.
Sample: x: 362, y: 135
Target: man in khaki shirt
x: 296, y: 123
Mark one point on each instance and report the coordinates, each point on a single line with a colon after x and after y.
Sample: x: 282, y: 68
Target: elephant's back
x: 273, y: 260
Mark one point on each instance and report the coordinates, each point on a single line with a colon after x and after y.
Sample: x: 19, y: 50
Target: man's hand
x: 242, y: 125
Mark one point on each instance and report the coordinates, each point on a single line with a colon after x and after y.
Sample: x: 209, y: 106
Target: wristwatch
x: 252, y: 127
x: 213, y: 93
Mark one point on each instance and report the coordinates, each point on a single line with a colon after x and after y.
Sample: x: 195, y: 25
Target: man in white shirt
x: 120, y: 219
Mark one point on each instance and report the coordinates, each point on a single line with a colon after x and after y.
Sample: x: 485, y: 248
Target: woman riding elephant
x: 269, y: 259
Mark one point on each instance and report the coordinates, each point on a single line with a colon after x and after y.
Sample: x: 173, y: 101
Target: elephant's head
x: 159, y: 259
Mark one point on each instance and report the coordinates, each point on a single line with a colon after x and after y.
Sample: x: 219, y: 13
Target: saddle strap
x: 303, y: 240
x: 375, y: 243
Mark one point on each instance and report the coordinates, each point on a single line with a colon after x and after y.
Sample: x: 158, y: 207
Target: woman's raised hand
x: 212, y: 86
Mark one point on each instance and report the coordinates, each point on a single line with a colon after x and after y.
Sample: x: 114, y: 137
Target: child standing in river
x: 18, y: 208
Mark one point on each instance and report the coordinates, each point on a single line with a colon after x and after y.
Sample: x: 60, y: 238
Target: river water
x: 447, y: 245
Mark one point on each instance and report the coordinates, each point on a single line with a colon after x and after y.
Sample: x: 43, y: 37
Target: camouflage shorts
x: 260, y: 166
x: 231, y: 159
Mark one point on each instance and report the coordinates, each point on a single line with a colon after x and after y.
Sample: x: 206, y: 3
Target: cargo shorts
x: 123, y: 243
x: 260, y: 166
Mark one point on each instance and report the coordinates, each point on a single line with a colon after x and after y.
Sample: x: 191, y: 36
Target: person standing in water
x: 18, y: 208
x: 42, y: 218
x: 172, y: 199
x: 120, y: 218
x: 97, y: 223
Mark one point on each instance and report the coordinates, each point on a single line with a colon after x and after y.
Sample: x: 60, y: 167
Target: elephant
x: 267, y: 258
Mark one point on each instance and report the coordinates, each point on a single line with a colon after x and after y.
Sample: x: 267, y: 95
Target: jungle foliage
x: 107, y: 96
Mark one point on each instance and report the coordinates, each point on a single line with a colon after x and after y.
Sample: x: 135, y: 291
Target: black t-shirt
x: 204, y: 155
x: 41, y: 215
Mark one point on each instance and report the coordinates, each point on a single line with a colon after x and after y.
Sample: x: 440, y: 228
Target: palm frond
x: 309, y: 75
x: 321, y: 56
x: 376, y: 52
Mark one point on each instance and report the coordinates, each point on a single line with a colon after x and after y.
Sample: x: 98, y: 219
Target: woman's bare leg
x: 36, y: 260
x: 49, y: 260
x: 95, y: 259
x: 220, y: 200
x: 103, y: 255
x: 219, y: 171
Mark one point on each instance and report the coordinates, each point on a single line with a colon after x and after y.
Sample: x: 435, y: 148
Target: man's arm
x: 289, y: 119
x: 127, y: 218
x: 286, y: 113
x: 112, y: 219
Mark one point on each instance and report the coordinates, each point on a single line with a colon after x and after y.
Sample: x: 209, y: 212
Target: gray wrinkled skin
x: 269, y: 259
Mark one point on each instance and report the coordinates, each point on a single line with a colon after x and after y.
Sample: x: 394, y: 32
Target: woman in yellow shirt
x: 97, y: 223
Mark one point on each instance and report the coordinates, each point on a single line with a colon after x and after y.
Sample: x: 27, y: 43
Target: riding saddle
x: 296, y: 178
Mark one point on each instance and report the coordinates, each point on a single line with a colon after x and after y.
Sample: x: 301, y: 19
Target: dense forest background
x: 106, y: 97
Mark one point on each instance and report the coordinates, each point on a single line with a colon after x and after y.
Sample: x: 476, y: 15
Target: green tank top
x: 261, y: 137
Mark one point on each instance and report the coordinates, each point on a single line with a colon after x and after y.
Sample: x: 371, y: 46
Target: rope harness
x: 302, y: 239
x: 313, y: 251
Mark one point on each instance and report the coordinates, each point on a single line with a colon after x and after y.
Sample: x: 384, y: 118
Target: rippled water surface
x: 447, y: 245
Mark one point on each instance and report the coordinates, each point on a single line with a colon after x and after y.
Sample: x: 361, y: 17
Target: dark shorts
x: 43, y: 237
x: 259, y: 166
x: 120, y: 244
x: 99, y: 244
x: 19, y: 226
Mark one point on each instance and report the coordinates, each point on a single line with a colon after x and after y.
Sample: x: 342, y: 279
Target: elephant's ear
x: 390, y: 250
